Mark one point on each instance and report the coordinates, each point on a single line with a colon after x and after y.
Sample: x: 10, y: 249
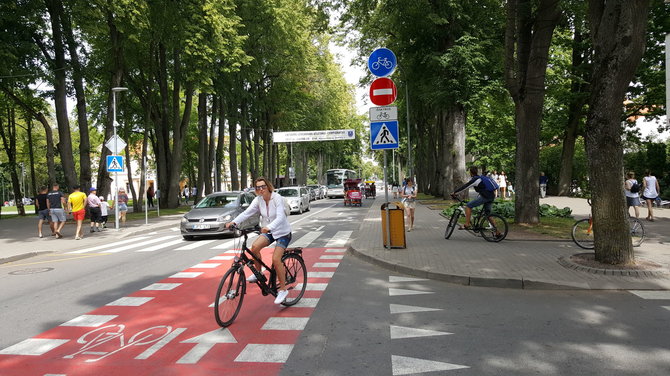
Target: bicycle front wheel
x: 296, y: 278
x: 453, y: 221
x: 493, y: 228
x: 229, y: 296
x: 636, y: 231
x: 582, y: 233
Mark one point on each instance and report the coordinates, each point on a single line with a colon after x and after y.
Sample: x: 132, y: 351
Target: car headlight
x: 184, y: 220
x: 224, y: 218
x: 295, y: 202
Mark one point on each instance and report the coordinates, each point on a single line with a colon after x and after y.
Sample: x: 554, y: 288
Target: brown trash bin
x: 397, y: 220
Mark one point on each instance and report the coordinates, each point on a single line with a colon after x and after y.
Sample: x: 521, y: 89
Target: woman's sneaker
x: 281, y: 296
x: 252, y: 279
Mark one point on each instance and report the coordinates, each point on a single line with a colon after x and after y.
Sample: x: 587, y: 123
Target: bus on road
x: 335, y: 179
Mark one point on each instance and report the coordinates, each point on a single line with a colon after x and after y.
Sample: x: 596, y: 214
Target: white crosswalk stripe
x: 138, y: 245
x: 161, y: 246
x: 307, y: 239
x: 104, y: 246
x: 194, y: 245
x: 340, y: 239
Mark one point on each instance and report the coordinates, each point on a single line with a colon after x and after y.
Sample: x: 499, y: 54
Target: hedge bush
x: 506, y: 210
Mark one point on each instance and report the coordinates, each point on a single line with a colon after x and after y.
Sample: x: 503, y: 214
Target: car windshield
x: 288, y: 192
x: 227, y: 201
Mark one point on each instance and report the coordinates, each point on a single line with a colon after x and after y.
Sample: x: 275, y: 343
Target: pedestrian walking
x: 632, y: 191
x: 104, y: 212
x: 543, y: 185
x: 77, y: 206
x: 150, y: 195
x: 409, y: 200
x: 122, y: 202
x: 502, y: 183
x: 93, y: 203
x: 194, y: 194
x: 43, y: 212
x: 56, y: 204
x: 650, y: 189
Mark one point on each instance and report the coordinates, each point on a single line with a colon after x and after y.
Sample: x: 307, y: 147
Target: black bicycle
x: 233, y: 286
x: 492, y: 227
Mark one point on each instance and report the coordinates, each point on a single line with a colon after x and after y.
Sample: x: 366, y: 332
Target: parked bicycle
x: 233, y: 286
x: 492, y: 227
x: 582, y: 231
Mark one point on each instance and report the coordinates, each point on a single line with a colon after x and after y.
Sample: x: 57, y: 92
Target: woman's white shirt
x: 628, y: 185
x: 272, y: 215
x: 650, y: 187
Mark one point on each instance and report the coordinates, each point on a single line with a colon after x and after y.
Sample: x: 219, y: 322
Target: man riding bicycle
x: 487, y: 190
x: 274, y: 227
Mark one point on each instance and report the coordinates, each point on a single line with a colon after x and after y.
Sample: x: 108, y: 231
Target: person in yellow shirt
x: 77, y: 206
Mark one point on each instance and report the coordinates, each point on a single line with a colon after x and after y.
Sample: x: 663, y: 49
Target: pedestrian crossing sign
x: 114, y: 163
x: 384, y: 135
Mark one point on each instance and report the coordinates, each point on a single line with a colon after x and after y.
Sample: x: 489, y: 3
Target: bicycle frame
x: 243, y: 259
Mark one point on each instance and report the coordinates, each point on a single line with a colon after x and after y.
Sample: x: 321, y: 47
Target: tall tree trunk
x: 618, y: 35
x: 137, y: 202
x: 244, y: 143
x: 144, y: 170
x: 82, y: 121
x: 116, y: 40
x: 202, y: 143
x: 578, y: 97
x: 527, y: 40
x: 220, y: 166
x: 31, y: 154
x: 232, y: 155
x: 178, y: 144
x: 54, y: 8
x: 9, y: 143
x: 212, y: 146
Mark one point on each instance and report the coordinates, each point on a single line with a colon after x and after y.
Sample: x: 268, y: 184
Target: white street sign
x: 302, y: 136
x: 383, y: 113
x: 115, y: 144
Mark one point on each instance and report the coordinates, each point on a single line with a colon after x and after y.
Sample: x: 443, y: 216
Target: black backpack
x: 634, y: 187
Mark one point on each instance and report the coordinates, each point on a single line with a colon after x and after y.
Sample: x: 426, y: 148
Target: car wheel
x: 188, y: 237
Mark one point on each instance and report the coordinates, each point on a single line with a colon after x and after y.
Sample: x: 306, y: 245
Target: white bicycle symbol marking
x: 113, y: 332
x: 382, y: 62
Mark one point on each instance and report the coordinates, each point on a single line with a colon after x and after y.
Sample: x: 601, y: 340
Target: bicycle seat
x: 296, y: 250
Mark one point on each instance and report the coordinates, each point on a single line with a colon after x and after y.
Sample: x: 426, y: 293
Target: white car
x: 297, y: 197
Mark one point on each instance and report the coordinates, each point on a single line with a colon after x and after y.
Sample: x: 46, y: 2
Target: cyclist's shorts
x: 281, y: 242
x: 487, y: 202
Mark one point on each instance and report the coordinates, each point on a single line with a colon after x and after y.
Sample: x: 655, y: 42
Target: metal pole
x: 409, y: 144
x: 158, y: 197
x: 146, y: 196
x: 386, y: 199
x: 116, y: 174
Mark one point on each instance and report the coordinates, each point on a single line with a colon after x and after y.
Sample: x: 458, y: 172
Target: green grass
x: 559, y: 228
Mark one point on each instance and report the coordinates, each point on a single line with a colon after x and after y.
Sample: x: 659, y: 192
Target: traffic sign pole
x: 116, y: 140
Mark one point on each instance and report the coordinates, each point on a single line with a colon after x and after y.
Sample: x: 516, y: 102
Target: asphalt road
x: 368, y: 321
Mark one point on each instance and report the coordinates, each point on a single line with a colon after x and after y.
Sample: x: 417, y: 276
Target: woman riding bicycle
x: 487, y: 193
x: 274, y: 227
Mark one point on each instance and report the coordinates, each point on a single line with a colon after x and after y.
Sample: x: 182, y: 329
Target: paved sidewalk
x: 514, y: 263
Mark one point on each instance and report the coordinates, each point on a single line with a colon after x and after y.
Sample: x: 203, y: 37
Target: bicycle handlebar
x: 245, y: 231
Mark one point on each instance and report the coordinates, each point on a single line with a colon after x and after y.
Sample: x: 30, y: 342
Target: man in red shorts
x: 77, y: 206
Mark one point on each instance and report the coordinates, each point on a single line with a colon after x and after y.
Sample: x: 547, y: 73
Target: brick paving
x: 513, y: 263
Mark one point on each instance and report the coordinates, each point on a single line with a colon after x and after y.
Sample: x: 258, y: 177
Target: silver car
x: 316, y: 190
x: 210, y: 215
x: 297, y: 197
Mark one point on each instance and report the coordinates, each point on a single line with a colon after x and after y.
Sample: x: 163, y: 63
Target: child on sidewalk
x: 104, y: 208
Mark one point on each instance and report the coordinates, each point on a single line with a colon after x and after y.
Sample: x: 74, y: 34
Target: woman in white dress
x: 502, y: 183
x: 650, y: 189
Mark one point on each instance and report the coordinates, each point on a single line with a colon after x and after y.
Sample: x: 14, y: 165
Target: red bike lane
x: 168, y: 328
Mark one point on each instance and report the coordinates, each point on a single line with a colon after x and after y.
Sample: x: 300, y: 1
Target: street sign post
x: 383, y: 91
x: 115, y: 144
x: 382, y: 62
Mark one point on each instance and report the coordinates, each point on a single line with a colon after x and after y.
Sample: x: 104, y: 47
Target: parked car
x: 316, y: 191
x: 211, y: 214
x: 297, y: 197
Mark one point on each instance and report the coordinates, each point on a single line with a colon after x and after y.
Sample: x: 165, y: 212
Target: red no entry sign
x: 383, y: 91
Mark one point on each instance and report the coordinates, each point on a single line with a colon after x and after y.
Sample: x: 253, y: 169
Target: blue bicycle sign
x: 382, y: 62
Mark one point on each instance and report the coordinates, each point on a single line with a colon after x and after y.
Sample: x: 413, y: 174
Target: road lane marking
x: 186, y: 275
x: 403, y: 365
x: 107, y: 245
x: 160, y: 246
x: 307, y: 239
x: 161, y: 287
x: 331, y: 257
x: 393, y: 279
x: 262, y: 353
x: 398, y: 332
x: 652, y: 295
x: 92, y: 321
x: 400, y: 308
x: 340, y: 239
x: 33, y: 346
x: 113, y: 249
x: 400, y: 292
x: 326, y: 265
x: 194, y: 245
x: 130, y: 301
x: 285, y: 323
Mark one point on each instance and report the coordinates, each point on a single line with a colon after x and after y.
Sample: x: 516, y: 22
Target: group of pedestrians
x: 650, y: 192
x: 505, y: 187
x: 53, y: 208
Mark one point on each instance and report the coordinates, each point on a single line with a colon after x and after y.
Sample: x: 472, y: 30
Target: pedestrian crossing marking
x: 307, y: 239
x: 135, y: 245
x: 33, y: 346
x: 398, y: 332
x: 92, y: 321
x: 262, y: 353
x: 384, y: 136
x: 285, y: 323
x: 194, y: 245
x: 339, y: 240
x: 104, y: 246
x: 160, y: 246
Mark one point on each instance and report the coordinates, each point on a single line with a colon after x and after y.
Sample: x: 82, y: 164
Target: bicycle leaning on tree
x: 491, y: 227
x: 233, y: 285
x: 582, y: 231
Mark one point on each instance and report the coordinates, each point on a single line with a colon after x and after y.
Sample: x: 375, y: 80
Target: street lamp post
x: 116, y: 174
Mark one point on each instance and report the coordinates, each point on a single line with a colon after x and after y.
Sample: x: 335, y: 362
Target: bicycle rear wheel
x: 493, y: 228
x: 296, y: 278
x: 582, y: 233
x: 636, y: 231
x: 453, y: 221
x: 229, y: 296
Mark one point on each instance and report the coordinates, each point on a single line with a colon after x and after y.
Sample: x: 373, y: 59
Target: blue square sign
x: 384, y: 135
x: 114, y: 163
